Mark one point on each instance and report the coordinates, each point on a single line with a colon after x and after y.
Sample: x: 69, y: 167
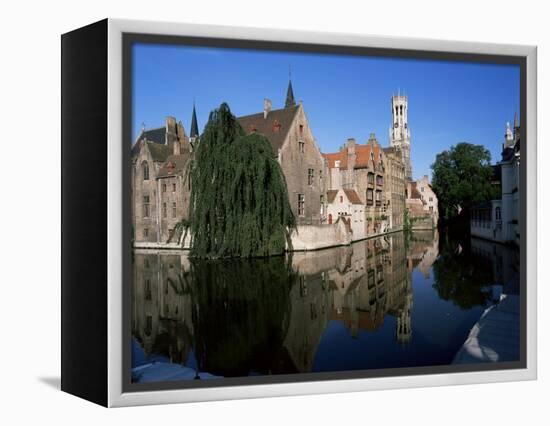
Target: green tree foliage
x: 462, y: 178
x: 461, y: 276
x: 239, y: 203
x: 241, y: 310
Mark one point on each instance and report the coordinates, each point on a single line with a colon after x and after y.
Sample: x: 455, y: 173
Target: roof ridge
x: 270, y: 112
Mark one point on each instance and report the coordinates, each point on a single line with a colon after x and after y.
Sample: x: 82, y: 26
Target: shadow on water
x: 379, y: 303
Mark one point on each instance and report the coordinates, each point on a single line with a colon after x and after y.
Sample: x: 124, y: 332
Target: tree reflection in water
x: 378, y: 303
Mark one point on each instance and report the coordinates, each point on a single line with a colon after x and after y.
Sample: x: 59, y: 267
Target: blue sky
x: 343, y: 96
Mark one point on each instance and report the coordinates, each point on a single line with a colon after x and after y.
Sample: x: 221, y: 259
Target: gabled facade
x: 345, y: 204
x: 498, y: 220
x: 362, y: 168
x: 294, y: 145
x: 160, y: 187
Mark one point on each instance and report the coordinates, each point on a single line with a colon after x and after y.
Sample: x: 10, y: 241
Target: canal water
x: 386, y: 302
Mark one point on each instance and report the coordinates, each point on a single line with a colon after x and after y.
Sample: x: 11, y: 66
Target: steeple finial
x: 290, y: 102
x: 194, y: 132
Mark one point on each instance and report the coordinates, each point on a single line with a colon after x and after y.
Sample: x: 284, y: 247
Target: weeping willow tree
x: 239, y: 202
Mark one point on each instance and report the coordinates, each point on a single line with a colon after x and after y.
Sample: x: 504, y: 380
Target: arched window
x: 145, y: 168
x: 497, y: 213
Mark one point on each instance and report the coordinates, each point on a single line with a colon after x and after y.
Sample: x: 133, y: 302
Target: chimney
x: 267, y: 107
x: 176, y: 147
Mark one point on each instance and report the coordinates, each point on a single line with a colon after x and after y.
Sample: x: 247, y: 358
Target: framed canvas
x: 252, y: 213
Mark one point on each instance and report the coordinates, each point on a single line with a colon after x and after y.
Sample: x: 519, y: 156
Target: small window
x: 163, y: 209
x: 497, y: 213
x: 421, y: 189
x: 302, y: 146
x: 301, y: 129
x: 173, y: 210
x: 146, y: 206
x: 163, y: 187
x: 301, y: 204
x: 145, y: 235
x: 145, y: 168
x: 148, y: 292
x: 303, y: 286
x: 341, y: 199
x: 148, y: 325
x: 173, y: 187
x: 431, y: 199
x: 322, y: 201
x: 310, y: 176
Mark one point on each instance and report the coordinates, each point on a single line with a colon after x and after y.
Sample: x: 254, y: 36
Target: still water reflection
x: 379, y: 303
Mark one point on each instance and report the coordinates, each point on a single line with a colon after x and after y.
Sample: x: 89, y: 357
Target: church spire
x: 290, y: 102
x: 194, y: 132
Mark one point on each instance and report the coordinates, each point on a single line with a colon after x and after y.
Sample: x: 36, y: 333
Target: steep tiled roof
x: 159, y: 152
x: 331, y: 195
x: 274, y: 127
x: 362, y: 156
x: 350, y: 193
x: 352, y: 196
x: 174, y: 165
x: 153, y: 135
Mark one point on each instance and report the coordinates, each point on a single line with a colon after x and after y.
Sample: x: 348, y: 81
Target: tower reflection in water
x: 336, y: 309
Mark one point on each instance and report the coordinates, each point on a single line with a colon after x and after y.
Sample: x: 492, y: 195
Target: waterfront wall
x: 304, y: 238
x: 314, y: 237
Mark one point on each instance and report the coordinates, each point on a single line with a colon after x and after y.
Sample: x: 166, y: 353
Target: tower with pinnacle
x: 400, y: 134
x: 194, y: 132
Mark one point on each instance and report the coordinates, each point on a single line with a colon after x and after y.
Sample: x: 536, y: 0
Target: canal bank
x: 495, y: 337
x: 303, y: 238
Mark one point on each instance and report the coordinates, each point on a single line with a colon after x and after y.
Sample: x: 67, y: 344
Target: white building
x: 346, y: 205
x: 510, y: 184
x: 498, y: 220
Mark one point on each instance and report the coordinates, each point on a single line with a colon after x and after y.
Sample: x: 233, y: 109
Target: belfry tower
x: 400, y: 134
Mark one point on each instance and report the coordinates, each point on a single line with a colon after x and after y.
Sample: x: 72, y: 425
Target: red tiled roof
x: 274, y: 127
x: 331, y: 195
x: 362, y: 156
x: 352, y: 196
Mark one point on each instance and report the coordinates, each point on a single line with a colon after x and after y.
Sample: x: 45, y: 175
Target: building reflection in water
x: 268, y: 316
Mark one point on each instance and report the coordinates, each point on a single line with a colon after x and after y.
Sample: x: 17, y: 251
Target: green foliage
x: 462, y: 178
x: 239, y: 202
x: 462, y: 277
x: 407, y: 228
x: 240, y: 313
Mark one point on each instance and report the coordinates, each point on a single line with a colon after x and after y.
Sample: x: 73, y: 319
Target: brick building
x: 160, y: 181
x: 294, y: 145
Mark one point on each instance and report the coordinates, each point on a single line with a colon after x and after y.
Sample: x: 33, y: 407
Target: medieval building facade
x: 364, y: 186
x: 498, y: 219
x: 160, y: 181
x: 294, y: 145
